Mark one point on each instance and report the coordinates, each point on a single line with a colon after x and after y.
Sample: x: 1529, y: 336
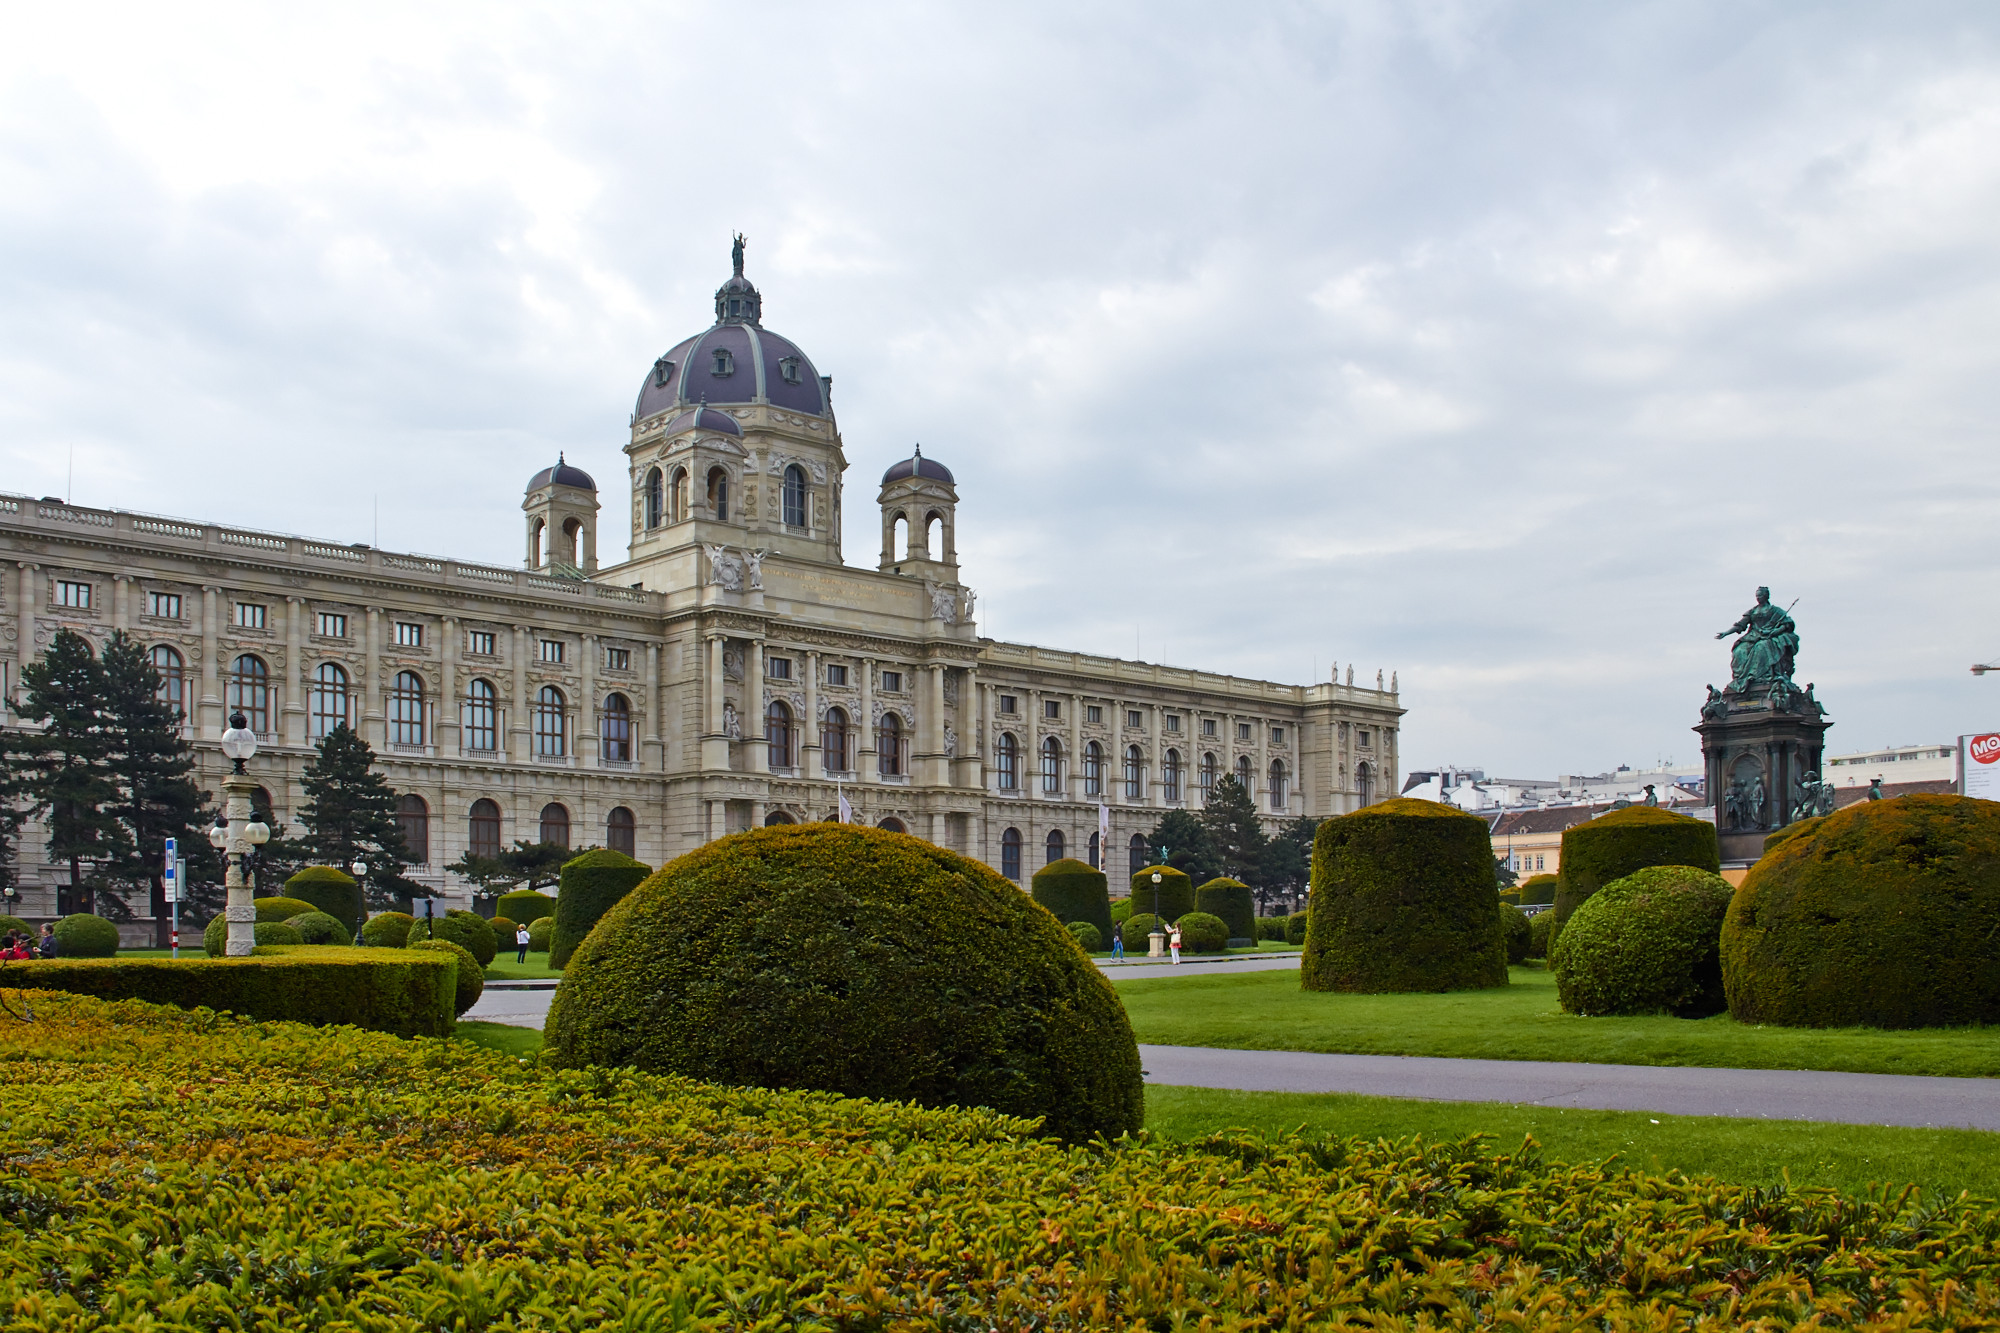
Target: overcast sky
x: 1508, y: 347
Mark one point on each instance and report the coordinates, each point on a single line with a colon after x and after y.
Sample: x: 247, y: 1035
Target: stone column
x: 864, y: 751
x: 239, y: 910
x: 753, y: 708
x: 121, y: 608
x: 809, y: 757
x: 211, y: 668
x: 715, y: 741
x: 656, y: 704
x: 1263, y: 770
x: 372, y: 728
x: 25, y: 645
x: 293, y: 710
x: 930, y: 726
x: 588, y: 748
x: 518, y: 722
x: 450, y: 736
x: 982, y: 725
x: 1073, y: 788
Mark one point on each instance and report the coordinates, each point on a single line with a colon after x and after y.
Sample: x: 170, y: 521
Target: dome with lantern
x: 735, y: 360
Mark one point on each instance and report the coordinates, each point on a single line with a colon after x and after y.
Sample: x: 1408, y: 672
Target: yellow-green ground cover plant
x: 1645, y: 944
x: 854, y: 960
x: 175, y: 1169
x: 1618, y: 842
x: 1074, y: 891
x: 590, y: 885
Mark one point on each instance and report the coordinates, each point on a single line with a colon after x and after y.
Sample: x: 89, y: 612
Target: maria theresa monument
x: 731, y: 671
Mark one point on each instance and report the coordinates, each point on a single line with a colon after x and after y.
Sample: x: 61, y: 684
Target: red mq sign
x: 1985, y: 749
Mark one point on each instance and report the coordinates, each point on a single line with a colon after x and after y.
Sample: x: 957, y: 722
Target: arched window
x: 614, y: 728
x: 1138, y: 853
x: 1364, y: 783
x: 572, y: 531
x: 778, y: 734
x: 1056, y: 847
x: 777, y: 817
x: 538, y: 544
x: 795, y: 496
x: 1052, y: 783
x: 327, y: 706
x: 656, y: 498
x: 889, y: 746
x: 1170, y: 776
x: 406, y: 709
x: 413, y: 817
x: 1135, y: 773
x: 1007, y: 760
x: 485, y: 839
x: 1277, y: 784
x: 482, y: 716
x: 833, y: 736
x: 899, y: 540
x: 677, y: 498
x: 250, y: 690
x: 621, y: 831
x: 555, y: 823
x: 173, y: 679
x: 892, y: 824
x: 1093, y: 769
x: 1096, y: 852
x: 1207, y: 778
x: 1010, y: 854
x: 934, y: 535
x: 1245, y: 775
x: 551, y: 724
x: 718, y: 493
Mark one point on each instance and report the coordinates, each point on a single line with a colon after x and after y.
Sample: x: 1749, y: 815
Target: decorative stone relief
x: 944, y: 604
x: 950, y: 741
x: 724, y: 569
x: 951, y: 689
x: 732, y: 724
x: 732, y: 661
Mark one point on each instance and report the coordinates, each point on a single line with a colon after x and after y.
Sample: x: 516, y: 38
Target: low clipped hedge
x: 1616, y: 843
x: 1295, y: 927
x: 1203, y: 932
x: 1883, y: 914
x: 524, y: 905
x: 1541, y: 928
x: 390, y: 930
x: 1518, y: 930
x: 469, y: 979
x: 1403, y: 900
x: 1645, y: 944
x: 852, y: 960
x: 1137, y: 932
x: 319, y: 929
x: 331, y: 890
x: 592, y: 884
x: 1074, y: 891
x: 539, y: 933
x: 1231, y: 901
x: 1538, y: 890
x: 1086, y: 936
x: 401, y: 993
x: 1176, y: 895
x: 468, y: 930
x: 83, y: 935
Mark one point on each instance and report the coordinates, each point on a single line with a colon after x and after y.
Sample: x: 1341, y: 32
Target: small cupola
x: 737, y: 301
x: 561, y: 508
x: 920, y: 519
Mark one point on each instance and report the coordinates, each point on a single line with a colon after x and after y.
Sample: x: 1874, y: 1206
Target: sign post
x: 170, y: 882
x: 1979, y: 765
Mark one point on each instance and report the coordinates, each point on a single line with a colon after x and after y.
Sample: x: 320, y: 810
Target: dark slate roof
x: 757, y: 356
x: 1846, y: 796
x: 562, y: 474
x: 919, y: 466
x: 1552, y: 820
x: 704, y: 418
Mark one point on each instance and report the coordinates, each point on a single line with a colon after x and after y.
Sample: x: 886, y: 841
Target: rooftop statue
x: 736, y: 254
x: 1765, y: 652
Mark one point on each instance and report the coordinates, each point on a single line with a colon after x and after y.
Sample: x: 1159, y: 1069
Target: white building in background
x: 1896, y: 763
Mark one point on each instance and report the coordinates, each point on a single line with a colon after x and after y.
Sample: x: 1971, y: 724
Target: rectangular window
x: 1277, y: 735
x: 617, y: 659
x: 1093, y: 713
x: 1133, y: 719
x: 552, y: 650
x: 409, y: 634
x: 166, y: 605
x: 1052, y: 709
x: 1009, y: 704
x: 1538, y: 861
x: 778, y: 668
x: 1361, y: 737
x: 1242, y: 731
x: 1208, y: 726
x: 1173, y: 722
x: 332, y: 625
x: 892, y: 682
x: 836, y: 675
x: 250, y: 615
x: 69, y: 593
x: 479, y: 643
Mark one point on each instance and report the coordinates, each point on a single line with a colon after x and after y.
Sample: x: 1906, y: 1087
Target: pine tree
x: 1288, y: 860
x: 1234, y: 831
x: 350, y: 814
x: 64, y: 769
x: 1189, y: 848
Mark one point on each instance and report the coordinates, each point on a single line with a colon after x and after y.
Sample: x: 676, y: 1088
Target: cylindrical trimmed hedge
x: 1204, y: 932
x: 281, y: 909
x: 852, y: 960
x: 388, y: 929
x: 524, y: 905
x: 1074, y: 891
x: 1230, y: 900
x: 1403, y: 900
x: 1137, y: 931
x: 331, y: 890
x: 83, y: 935
x: 1884, y: 914
x: 1645, y: 944
x: 592, y: 884
x: 1615, y: 844
x: 1516, y: 924
x: 1176, y: 892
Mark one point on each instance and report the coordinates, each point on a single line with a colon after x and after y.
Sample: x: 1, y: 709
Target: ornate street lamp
x: 238, y: 836
x: 1156, y: 942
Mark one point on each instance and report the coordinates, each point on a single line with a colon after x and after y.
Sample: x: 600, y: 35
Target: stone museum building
x: 733, y: 671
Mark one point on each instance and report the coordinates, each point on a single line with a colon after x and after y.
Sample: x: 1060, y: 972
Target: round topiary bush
x: 1230, y: 900
x: 1517, y: 927
x: 1614, y: 845
x: 468, y: 930
x: 1295, y: 927
x: 503, y: 934
x: 1884, y: 914
x: 1777, y: 836
x: 281, y: 909
x: 592, y: 884
x: 1176, y: 895
x: 852, y: 960
x: 1403, y: 900
x: 1539, y: 928
x: 471, y: 977
x: 215, y: 936
x: 331, y: 890
x: 1203, y: 932
x: 1086, y: 935
x: 1074, y: 892
x: 539, y: 933
x: 524, y: 905
x: 1137, y: 931
x: 319, y: 928
x: 1538, y: 890
x: 15, y: 926
x: 278, y: 932
x: 1645, y: 944
x: 389, y: 930
x: 83, y: 935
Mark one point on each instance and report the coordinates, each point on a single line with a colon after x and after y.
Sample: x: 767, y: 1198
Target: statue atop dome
x: 736, y: 254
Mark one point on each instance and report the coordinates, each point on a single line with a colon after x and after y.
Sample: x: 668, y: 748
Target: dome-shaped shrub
x: 15, y: 926
x: 1295, y: 927
x: 389, y: 930
x: 853, y: 960
x: 471, y: 977
x: 1086, y: 936
x: 281, y: 909
x: 83, y: 935
x: 1540, y: 928
x: 319, y: 928
x: 1403, y: 900
x: 1538, y: 890
x: 1885, y: 914
x: 1515, y: 923
x: 1230, y: 900
x: 1777, y: 836
x: 592, y: 884
x: 1074, y: 892
x: 1137, y: 931
x: 278, y: 932
x: 1176, y: 892
x: 1645, y: 944
x: 524, y: 905
x: 539, y: 932
x: 1203, y: 932
x: 331, y: 890
x: 215, y: 936
x: 468, y: 930
x: 1614, y: 845
x: 503, y: 932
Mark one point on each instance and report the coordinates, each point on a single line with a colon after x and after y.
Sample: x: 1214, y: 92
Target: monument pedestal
x: 1763, y: 750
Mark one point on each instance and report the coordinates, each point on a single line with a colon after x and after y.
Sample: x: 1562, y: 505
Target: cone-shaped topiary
x: 1137, y: 930
x: 319, y: 928
x: 1403, y: 900
x: 1230, y: 900
x: 330, y: 890
x: 1645, y: 944
x: 83, y: 935
x: 1074, y: 891
x: 281, y: 909
x: 1614, y: 845
x: 524, y: 905
x: 539, y: 934
x: 1515, y: 922
x: 1176, y: 892
x: 389, y: 930
x: 1203, y: 932
x: 853, y: 960
x: 1885, y: 914
x: 471, y: 977
x: 591, y: 885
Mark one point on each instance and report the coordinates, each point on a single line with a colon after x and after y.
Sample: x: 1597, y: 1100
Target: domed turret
x: 920, y: 519
x: 737, y: 360
x: 561, y: 505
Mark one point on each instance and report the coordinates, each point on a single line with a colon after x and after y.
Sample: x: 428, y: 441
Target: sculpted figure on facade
x: 724, y: 569
x: 950, y: 741
x: 755, y: 559
x: 732, y: 722
x: 965, y: 606
x: 944, y: 605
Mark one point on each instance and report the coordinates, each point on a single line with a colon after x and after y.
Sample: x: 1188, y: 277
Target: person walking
x: 49, y: 949
x: 521, y: 943
x: 1174, y: 942
x: 1117, y: 941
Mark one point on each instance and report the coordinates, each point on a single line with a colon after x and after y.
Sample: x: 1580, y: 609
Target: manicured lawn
x: 1748, y: 1152
x: 501, y: 1037
x: 504, y: 968
x: 1268, y: 1011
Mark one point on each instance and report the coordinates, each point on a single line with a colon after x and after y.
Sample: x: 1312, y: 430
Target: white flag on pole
x: 846, y: 810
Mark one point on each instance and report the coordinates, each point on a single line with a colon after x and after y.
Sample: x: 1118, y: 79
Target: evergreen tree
x: 350, y: 814
x: 1503, y: 874
x: 1234, y: 831
x: 532, y: 865
x: 1287, y: 867
x: 1188, y: 846
x: 64, y: 770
